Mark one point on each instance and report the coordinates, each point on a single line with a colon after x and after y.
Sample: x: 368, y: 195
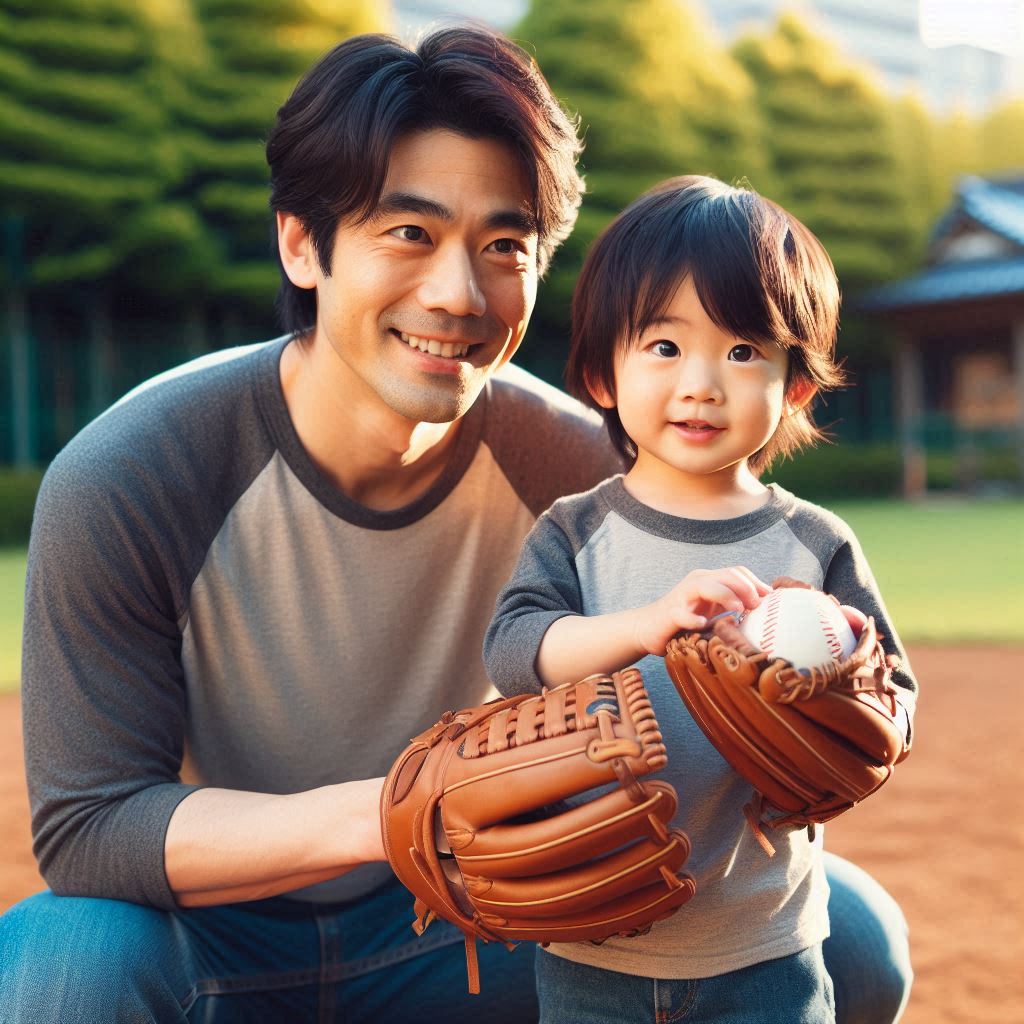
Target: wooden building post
x: 910, y: 412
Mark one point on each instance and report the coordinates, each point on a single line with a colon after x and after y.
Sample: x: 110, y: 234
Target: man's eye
x: 505, y: 246
x: 409, y: 233
x: 665, y: 349
x: 742, y: 353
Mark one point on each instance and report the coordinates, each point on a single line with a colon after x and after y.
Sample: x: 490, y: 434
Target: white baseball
x: 806, y: 627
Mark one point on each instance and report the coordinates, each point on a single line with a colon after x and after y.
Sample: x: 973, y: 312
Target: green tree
x: 922, y: 169
x: 84, y: 162
x: 1001, y: 139
x: 829, y: 134
x: 656, y: 96
x: 223, y: 85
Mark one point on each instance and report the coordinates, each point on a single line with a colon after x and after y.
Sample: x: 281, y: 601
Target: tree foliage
x: 84, y: 159
x: 656, y: 95
x: 227, y: 67
x: 830, y: 138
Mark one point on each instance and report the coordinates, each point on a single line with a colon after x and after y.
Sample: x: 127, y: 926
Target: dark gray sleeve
x: 102, y: 691
x: 849, y: 578
x: 543, y: 588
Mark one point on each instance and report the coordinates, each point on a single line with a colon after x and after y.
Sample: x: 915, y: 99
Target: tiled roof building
x: 960, y: 328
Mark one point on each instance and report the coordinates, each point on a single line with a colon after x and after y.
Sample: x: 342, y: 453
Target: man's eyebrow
x: 518, y: 221
x: 408, y: 202
x: 393, y: 203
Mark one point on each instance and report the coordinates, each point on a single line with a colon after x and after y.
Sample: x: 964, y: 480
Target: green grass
x: 951, y: 571
x: 12, y: 589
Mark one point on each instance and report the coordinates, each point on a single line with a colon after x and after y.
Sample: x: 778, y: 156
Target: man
x: 253, y: 579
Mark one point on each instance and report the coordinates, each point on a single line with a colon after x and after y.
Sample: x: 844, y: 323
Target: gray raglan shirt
x: 603, y: 551
x: 202, y: 603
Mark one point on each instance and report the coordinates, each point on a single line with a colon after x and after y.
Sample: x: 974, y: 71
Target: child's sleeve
x: 544, y: 587
x: 849, y: 578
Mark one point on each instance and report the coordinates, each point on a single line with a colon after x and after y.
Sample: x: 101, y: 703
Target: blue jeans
x: 791, y: 990
x: 73, y: 959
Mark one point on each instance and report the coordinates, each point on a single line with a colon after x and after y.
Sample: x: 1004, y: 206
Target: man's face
x: 432, y: 294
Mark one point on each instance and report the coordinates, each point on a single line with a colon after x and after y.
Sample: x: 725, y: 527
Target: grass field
x: 12, y: 587
x: 952, y: 571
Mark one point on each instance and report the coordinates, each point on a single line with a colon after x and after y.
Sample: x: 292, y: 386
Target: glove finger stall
x: 571, y: 837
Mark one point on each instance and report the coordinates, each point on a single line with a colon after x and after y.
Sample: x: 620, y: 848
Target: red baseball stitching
x: 830, y: 634
x: 771, y: 620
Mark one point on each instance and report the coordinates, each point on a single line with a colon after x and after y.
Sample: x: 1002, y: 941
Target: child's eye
x: 665, y: 349
x: 742, y: 353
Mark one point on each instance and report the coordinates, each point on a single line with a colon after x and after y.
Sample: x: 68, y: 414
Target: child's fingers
x: 728, y: 593
x: 855, y: 617
x: 690, y: 620
x: 744, y: 584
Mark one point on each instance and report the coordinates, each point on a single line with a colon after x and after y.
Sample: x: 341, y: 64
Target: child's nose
x: 698, y: 382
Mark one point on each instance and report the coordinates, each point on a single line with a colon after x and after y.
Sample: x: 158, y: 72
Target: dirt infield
x: 946, y: 836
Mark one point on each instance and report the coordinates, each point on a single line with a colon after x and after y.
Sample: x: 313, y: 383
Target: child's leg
x: 589, y: 995
x: 794, y: 989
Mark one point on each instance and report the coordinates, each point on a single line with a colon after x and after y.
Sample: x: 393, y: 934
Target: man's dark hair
x: 759, y: 273
x: 329, y: 148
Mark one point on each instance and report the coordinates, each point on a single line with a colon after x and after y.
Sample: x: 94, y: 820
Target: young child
x: 704, y: 322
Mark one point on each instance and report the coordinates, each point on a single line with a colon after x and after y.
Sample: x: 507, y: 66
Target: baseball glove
x: 475, y: 825
x: 812, y: 743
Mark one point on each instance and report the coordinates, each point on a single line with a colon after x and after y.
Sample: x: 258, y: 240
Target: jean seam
x: 366, y: 965
x: 327, y: 927
x: 691, y: 997
x: 251, y: 983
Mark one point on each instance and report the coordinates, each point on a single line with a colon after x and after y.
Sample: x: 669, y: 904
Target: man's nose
x: 698, y: 381
x: 451, y: 284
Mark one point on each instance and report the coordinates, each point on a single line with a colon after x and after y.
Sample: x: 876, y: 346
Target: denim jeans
x: 74, y: 959
x: 791, y: 990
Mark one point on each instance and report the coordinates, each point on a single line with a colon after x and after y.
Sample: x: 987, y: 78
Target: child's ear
x: 599, y: 393
x: 799, y: 394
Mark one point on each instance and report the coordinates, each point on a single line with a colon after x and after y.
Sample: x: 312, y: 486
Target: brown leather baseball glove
x: 812, y: 743
x: 474, y: 823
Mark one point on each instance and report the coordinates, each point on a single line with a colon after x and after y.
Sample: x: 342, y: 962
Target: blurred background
x: 135, y: 234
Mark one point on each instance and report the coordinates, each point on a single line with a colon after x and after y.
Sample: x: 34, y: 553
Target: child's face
x: 693, y: 397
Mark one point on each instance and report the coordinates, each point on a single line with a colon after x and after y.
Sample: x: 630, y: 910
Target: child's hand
x: 688, y: 605
x: 855, y: 617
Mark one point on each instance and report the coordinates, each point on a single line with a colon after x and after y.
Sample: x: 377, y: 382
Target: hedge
x: 18, y: 490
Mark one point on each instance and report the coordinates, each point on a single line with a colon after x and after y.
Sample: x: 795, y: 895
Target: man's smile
x: 434, y: 347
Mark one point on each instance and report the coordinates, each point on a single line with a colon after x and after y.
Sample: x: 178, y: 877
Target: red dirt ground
x: 945, y: 836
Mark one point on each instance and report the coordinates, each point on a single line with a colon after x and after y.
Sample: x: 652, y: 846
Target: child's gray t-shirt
x: 603, y: 551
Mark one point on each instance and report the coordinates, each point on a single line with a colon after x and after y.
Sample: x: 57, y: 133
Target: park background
x: 135, y: 235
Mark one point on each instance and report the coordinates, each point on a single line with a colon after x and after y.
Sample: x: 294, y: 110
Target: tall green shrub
x: 657, y: 96
x: 830, y: 140
x: 223, y: 104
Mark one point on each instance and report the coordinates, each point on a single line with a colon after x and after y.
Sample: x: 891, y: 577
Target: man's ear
x: 296, y: 249
x: 799, y: 395
x: 599, y: 393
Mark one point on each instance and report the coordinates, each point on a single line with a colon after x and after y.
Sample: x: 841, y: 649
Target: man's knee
x: 76, y: 958
x: 868, y: 953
